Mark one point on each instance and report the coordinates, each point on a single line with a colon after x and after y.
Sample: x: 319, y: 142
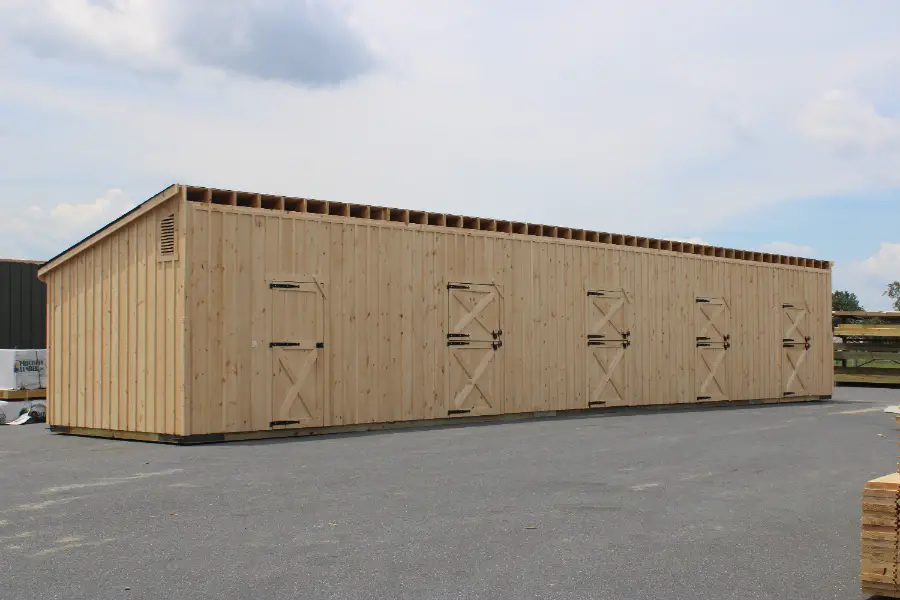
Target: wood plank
x: 852, y: 354
x: 140, y: 349
x: 867, y: 330
x: 90, y: 328
x: 243, y: 298
x: 337, y: 281
x: 198, y: 296
x: 23, y: 394
x: 182, y: 354
x: 131, y: 234
x: 152, y: 307
x: 864, y: 375
x: 865, y: 314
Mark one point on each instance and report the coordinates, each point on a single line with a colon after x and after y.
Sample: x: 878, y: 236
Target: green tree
x: 893, y: 292
x: 844, y: 300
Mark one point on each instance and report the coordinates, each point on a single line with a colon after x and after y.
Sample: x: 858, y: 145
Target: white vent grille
x: 167, y: 237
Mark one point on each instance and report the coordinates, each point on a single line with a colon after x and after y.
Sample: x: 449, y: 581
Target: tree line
x: 846, y: 300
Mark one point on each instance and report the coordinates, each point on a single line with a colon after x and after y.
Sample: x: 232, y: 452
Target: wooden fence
x: 867, y: 347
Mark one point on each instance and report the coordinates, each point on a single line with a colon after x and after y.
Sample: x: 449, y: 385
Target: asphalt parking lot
x: 757, y: 502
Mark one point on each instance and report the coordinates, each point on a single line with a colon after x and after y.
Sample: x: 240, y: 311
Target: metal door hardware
x: 284, y: 286
x: 457, y: 286
x: 280, y: 423
x: 283, y: 344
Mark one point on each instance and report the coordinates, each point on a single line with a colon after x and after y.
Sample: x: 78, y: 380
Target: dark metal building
x: 23, y: 305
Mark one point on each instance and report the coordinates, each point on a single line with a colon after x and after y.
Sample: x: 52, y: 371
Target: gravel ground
x: 755, y: 502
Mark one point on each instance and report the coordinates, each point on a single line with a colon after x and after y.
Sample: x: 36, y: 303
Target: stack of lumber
x: 878, y: 569
x: 867, y: 347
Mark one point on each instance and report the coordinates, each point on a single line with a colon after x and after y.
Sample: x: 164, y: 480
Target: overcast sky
x: 763, y: 124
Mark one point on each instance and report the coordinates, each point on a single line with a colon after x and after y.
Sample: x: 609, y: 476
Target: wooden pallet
x: 23, y: 394
x: 877, y: 338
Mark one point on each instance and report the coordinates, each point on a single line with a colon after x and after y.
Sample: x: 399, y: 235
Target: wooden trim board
x: 186, y: 440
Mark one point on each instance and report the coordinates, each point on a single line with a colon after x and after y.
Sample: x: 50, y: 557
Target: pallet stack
x: 867, y: 346
x: 879, y: 573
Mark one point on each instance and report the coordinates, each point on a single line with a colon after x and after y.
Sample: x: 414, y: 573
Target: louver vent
x: 167, y: 237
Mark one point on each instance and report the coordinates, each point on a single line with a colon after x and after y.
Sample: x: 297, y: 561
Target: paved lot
x: 735, y: 503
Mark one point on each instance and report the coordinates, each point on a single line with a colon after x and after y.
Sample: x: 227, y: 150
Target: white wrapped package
x: 23, y: 369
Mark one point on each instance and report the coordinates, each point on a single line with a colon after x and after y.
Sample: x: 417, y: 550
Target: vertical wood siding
x: 116, y: 333
x: 386, y: 312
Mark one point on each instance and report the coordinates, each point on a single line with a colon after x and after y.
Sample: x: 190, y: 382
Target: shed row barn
x: 207, y: 315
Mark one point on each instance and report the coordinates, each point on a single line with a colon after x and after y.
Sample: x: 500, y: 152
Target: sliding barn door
x: 712, y: 322
x: 297, y: 354
x: 474, y: 349
x: 608, y: 343
x: 796, y: 345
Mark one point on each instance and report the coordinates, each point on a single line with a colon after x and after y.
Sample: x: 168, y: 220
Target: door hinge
x: 703, y: 339
x: 451, y: 336
x: 595, y: 293
x: 457, y: 286
x: 280, y: 423
x: 704, y: 300
x: 458, y: 343
x: 497, y: 334
x: 459, y: 411
x: 597, y: 403
x: 284, y: 286
x: 320, y: 344
x: 789, y: 394
x: 497, y: 345
x: 283, y: 344
x: 704, y: 397
x: 596, y: 336
x: 703, y: 345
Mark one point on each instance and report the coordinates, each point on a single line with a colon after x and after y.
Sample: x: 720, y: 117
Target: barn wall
x: 23, y: 306
x: 116, y: 332
x: 386, y: 306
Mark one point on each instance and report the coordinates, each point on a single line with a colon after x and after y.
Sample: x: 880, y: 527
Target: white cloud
x: 586, y: 114
x: 885, y: 263
x: 307, y: 42
x: 845, y: 121
x: 868, y: 278
x: 35, y: 232
x: 691, y: 240
x: 788, y: 249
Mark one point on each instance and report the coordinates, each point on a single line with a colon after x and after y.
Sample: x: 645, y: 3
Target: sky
x: 758, y: 124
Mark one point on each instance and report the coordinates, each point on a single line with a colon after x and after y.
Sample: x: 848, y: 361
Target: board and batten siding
x: 386, y: 309
x: 116, y: 331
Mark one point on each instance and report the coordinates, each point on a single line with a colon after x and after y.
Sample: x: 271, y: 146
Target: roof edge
x: 110, y: 228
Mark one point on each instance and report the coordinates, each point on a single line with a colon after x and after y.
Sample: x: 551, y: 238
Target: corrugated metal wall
x: 23, y: 306
x: 386, y: 307
x: 116, y: 354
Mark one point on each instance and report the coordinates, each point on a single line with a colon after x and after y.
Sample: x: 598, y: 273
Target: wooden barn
x: 207, y: 315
